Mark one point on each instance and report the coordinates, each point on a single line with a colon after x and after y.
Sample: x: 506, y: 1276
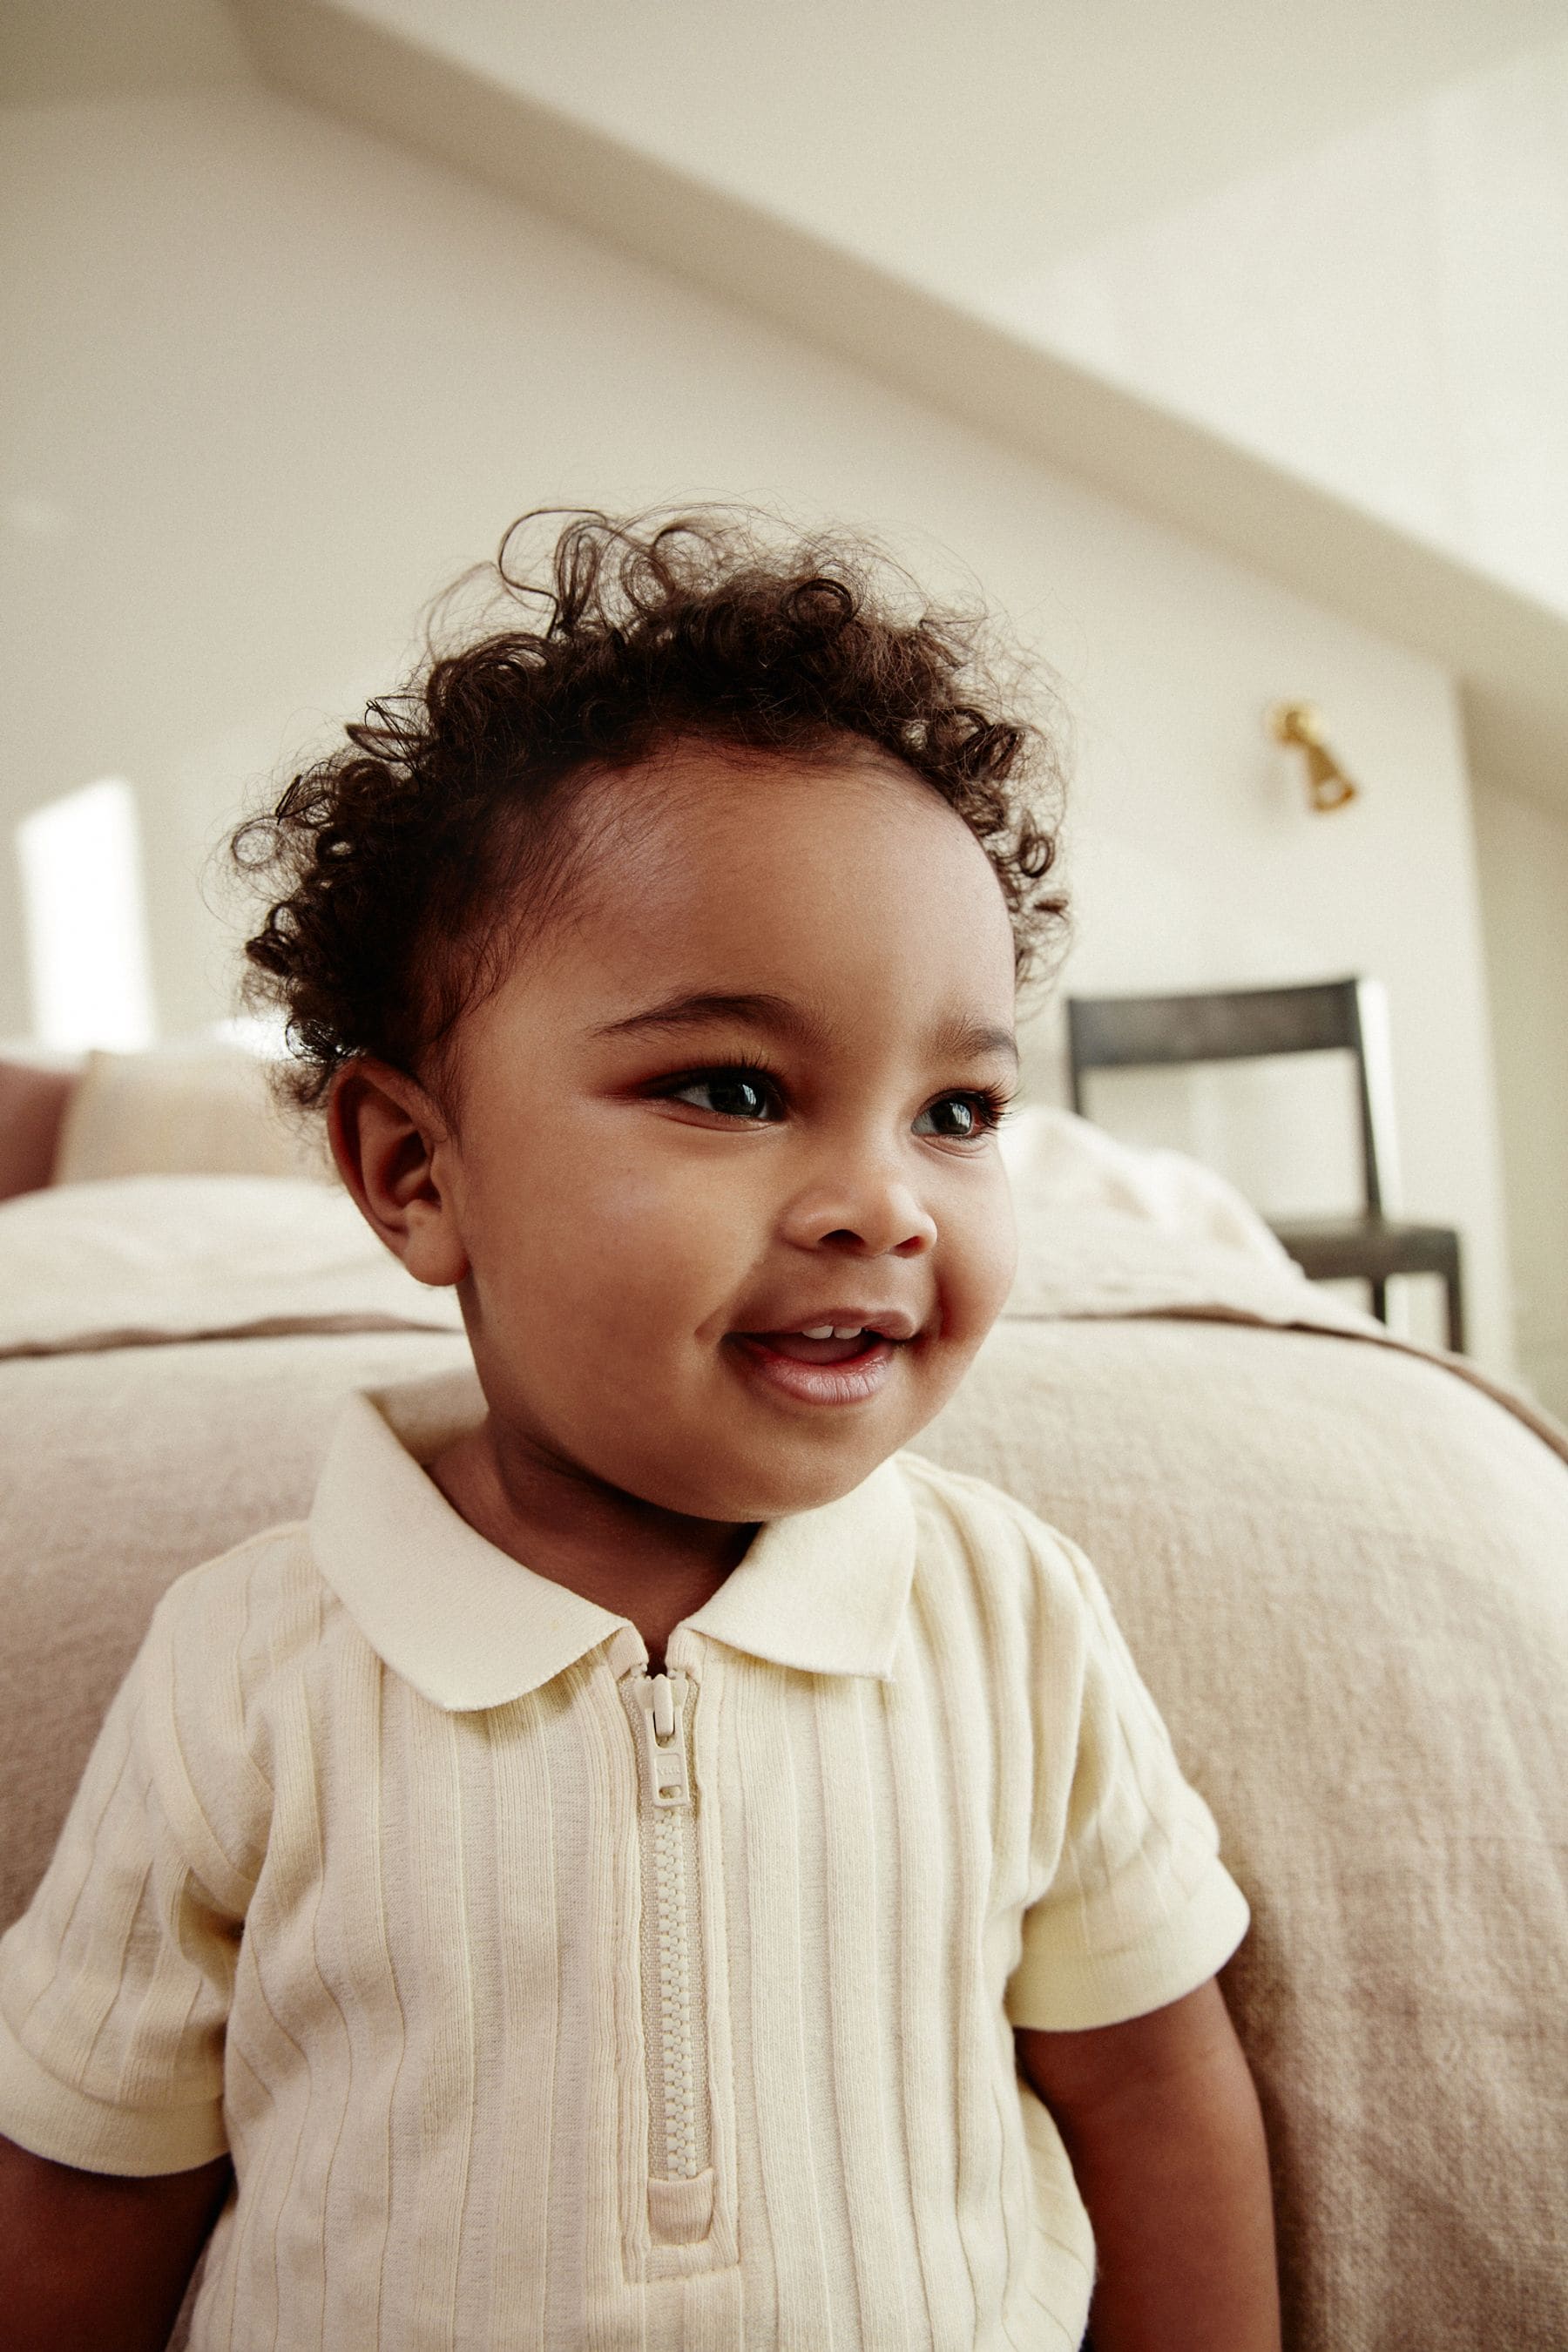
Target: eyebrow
x: 957, y: 1036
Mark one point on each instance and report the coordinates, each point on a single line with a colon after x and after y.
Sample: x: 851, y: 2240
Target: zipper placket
x: 674, y: 2006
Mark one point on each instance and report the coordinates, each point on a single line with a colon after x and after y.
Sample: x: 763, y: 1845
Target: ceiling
x: 873, y: 175
x: 963, y: 146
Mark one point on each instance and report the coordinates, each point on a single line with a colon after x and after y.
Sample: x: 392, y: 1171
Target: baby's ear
x: 388, y: 1137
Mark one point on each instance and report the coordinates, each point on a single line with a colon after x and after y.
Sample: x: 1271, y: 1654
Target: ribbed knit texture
x: 390, y: 1952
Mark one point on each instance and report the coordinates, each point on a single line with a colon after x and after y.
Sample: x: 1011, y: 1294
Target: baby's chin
x: 747, y: 1491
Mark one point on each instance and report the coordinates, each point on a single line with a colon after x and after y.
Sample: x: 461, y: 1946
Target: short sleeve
x: 115, y: 1984
x: 1136, y: 1908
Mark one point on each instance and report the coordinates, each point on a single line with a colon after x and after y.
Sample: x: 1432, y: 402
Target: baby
x: 650, y: 1862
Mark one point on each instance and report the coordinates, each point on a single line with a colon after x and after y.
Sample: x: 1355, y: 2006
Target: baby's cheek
x: 662, y: 1276
x: 987, y: 1265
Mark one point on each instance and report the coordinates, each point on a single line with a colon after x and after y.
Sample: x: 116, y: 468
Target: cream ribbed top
x: 546, y: 2003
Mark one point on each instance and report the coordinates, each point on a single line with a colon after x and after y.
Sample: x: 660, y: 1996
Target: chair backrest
x: 1126, y: 1032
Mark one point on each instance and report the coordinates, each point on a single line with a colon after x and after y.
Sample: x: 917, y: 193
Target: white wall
x: 1387, y: 315
x: 1523, y: 850
x: 279, y: 383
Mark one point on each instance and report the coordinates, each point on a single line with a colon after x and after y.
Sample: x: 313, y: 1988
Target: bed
x: 1341, y: 1561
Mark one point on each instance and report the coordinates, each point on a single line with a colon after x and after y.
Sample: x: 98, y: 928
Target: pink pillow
x: 33, y: 1100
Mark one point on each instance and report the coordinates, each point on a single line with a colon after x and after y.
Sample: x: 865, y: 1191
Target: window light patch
x: 88, y: 966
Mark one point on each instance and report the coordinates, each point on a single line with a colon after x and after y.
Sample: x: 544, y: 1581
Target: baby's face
x: 739, y: 1094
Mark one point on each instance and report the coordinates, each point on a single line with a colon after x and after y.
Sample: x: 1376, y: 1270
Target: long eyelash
x: 996, y: 1103
x: 747, y: 1068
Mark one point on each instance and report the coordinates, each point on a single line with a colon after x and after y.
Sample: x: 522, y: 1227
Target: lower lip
x: 850, y: 1383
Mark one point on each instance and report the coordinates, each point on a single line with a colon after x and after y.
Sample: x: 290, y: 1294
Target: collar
x: 823, y: 1591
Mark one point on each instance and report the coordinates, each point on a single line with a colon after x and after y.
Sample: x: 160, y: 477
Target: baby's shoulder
x: 213, y: 1693
x: 997, y: 1536
x: 258, y: 1572
x: 960, y: 1496
x: 238, y: 1624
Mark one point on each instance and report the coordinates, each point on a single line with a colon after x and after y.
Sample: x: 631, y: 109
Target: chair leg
x: 1379, y: 1300
x: 1456, y: 1313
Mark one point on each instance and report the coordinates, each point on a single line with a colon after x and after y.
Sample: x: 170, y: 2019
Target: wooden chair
x: 1245, y: 1025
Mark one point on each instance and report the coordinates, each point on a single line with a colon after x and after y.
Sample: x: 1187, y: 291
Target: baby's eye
x: 733, y: 1093
x: 964, y: 1118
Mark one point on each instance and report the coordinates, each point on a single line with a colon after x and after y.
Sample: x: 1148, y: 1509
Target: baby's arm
x: 1162, y: 2122
x: 95, y: 2263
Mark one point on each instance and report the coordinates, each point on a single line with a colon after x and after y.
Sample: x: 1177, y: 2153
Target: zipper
x: 673, y: 1992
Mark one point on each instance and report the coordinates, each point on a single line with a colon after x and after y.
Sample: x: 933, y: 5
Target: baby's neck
x: 653, y: 1566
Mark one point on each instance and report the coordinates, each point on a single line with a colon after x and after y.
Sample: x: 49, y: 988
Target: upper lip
x: 890, y: 1322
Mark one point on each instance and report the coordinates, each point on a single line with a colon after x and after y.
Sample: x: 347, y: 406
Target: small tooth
x: 819, y: 1331
x: 852, y: 1333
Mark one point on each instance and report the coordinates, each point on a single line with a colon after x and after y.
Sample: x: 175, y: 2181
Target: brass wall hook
x: 1300, y: 723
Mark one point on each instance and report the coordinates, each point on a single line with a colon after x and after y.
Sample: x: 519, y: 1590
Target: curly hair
x: 404, y: 866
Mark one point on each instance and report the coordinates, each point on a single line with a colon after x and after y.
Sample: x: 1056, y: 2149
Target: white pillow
x: 198, y: 1109
x: 1061, y: 1165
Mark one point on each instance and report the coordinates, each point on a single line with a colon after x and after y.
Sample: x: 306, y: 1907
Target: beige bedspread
x: 1343, y: 1567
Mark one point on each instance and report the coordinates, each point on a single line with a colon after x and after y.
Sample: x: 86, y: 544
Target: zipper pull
x: 664, y: 1739
x: 663, y: 1708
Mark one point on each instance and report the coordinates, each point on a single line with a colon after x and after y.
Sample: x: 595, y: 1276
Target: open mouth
x: 845, y: 1348
x: 849, y: 1368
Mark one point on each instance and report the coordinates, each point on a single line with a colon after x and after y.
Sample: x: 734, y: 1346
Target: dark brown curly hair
x: 404, y: 868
